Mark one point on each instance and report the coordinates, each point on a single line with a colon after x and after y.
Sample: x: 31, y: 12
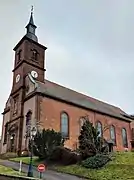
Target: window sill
x: 34, y: 60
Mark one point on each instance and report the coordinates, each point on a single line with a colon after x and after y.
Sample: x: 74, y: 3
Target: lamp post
x: 30, y: 168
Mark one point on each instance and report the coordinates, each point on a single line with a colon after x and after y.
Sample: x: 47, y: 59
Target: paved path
x: 48, y: 175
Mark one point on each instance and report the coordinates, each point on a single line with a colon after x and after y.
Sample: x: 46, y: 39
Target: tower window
x: 19, y: 54
x: 15, y: 105
x: 34, y: 55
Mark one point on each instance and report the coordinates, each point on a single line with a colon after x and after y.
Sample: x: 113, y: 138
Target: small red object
x: 41, y: 168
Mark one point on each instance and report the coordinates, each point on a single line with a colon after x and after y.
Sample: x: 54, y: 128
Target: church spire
x: 31, y: 27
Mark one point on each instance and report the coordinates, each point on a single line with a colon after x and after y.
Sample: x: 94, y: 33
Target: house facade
x: 37, y: 102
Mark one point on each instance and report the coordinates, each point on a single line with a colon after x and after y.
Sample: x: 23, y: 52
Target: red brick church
x: 39, y: 102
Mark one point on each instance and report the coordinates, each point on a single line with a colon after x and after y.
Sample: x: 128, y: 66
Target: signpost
x: 41, y: 169
x: 20, y: 169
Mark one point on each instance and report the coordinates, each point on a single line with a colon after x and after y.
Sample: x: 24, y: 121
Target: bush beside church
x: 93, y: 151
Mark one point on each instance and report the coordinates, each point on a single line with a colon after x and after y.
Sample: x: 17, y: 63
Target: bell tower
x: 29, y: 58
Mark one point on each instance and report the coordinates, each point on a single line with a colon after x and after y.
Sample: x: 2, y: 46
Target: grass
x: 9, y: 171
x: 26, y: 160
x: 36, y: 162
x: 120, y: 168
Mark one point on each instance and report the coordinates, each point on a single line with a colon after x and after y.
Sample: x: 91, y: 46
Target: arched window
x: 15, y: 105
x: 19, y: 55
x: 113, y: 134
x: 5, y: 134
x: 28, y: 123
x: 81, y: 122
x: 99, y: 128
x: 28, y: 118
x: 124, y: 138
x: 34, y: 54
x: 65, y: 125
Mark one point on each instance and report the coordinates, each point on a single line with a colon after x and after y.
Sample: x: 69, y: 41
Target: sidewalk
x: 48, y: 174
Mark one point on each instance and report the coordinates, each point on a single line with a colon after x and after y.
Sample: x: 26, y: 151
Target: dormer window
x: 19, y: 54
x: 34, y: 55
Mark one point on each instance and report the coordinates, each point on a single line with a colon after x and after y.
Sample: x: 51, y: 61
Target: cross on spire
x: 32, y: 8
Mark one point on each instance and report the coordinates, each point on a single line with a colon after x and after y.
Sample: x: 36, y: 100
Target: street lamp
x: 11, y: 137
x: 30, y: 168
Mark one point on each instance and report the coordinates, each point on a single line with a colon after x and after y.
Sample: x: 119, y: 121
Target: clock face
x: 34, y: 74
x: 17, y: 78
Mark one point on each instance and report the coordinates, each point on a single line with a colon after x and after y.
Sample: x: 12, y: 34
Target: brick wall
x: 50, y: 118
x: 6, y: 118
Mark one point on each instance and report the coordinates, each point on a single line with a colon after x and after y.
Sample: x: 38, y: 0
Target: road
x: 48, y: 174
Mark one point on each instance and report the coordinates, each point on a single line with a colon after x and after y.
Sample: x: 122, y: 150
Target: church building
x: 37, y: 102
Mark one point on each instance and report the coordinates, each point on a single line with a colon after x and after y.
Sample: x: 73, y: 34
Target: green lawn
x: 121, y: 168
x: 26, y: 160
x: 9, y: 171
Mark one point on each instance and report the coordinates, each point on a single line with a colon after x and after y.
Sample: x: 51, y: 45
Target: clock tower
x: 29, y: 59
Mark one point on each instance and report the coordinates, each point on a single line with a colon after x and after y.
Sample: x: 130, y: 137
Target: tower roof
x: 31, y: 21
x: 31, y: 27
x: 30, y: 34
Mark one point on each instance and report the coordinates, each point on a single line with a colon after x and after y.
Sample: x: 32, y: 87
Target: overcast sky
x: 90, y: 45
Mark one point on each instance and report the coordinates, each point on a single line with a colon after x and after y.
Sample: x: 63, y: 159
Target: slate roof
x: 57, y: 91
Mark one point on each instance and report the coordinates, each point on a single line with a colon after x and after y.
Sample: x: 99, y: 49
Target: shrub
x: 65, y: 156
x: 56, y: 155
x: 45, y: 142
x: 96, y: 161
x: 8, y: 155
x: 68, y: 157
x: 90, y: 143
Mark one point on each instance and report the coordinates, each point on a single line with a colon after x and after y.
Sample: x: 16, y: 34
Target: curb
x: 79, y: 176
